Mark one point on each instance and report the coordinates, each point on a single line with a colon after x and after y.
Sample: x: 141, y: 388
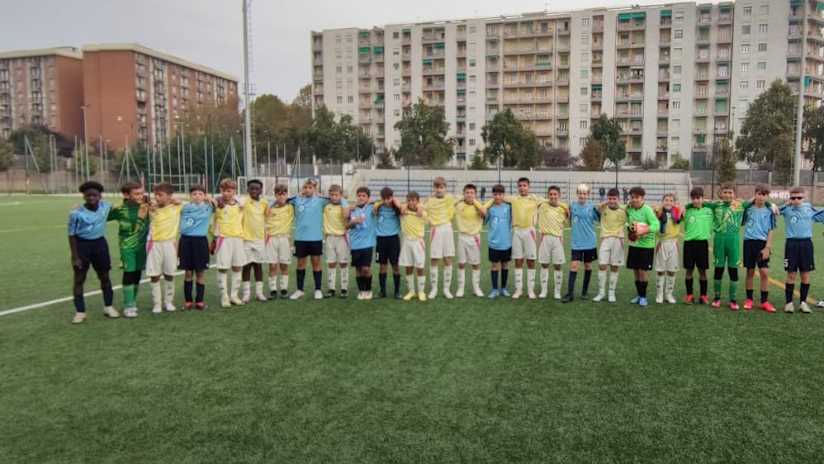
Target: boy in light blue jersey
x: 388, y: 241
x: 499, y: 222
x: 583, y: 216
x: 193, y: 247
x: 88, y: 247
x: 798, y: 248
x: 361, y: 224
x: 759, y: 223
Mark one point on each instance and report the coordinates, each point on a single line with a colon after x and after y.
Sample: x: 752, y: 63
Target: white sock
x: 461, y: 279
x: 433, y: 278
x: 259, y: 288
x: 284, y: 281
x: 223, y: 282
x: 422, y: 284
x: 659, y: 285
x: 410, y: 282
x: 544, y: 279
x: 476, y: 279
x: 236, y: 278
x: 447, y: 278
x: 344, y: 278
x: 602, y: 282
x: 519, y: 279
x: 247, y: 289
x: 530, y: 280
x: 559, y: 280
x: 157, y: 294
x: 169, y: 287
x: 273, y: 283
x: 331, y: 277
x: 613, y: 281
x: 669, y: 285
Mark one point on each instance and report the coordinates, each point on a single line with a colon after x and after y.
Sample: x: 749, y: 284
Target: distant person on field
x: 499, y: 222
x: 583, y: 216
x: 440, y: 208
x: 553, y: 216
x: 611, y: 252
x: 642, y: 227
x: 255, y: 209
x: 193, y: 246
x: 413, y: 249
x: 279, y: 222
x: 132, y: 217
x: 388, y: 240
x: 469, y: 214
x: 759, y: 226
x: 161, y: 260
x: 799, y: 216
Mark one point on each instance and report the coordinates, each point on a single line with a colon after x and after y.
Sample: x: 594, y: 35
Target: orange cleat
x: 748, y: 304
x: 733, y: 306
x: 690, y: 299
x: 768, y: 307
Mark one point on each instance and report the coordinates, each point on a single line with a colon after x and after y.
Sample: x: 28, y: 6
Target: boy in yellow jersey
x: 470, y: 218
x: 666, y: 251
x: 161, y: 260
x: 228, y: 246
x: 441, y: 210
x: 336, y: 242
x: 254, y: 240
x: 552, y: 217
x: 413, y: 251
x: 279, y: 223
x: 611, y: 252
x: 524, y: 240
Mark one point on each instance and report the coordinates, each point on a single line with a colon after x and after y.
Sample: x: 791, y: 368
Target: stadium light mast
x: 799, y: 120
x: 247, y: 116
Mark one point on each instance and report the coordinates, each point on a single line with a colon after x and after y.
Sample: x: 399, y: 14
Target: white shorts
x: 229, y: 253
x: 162, y: 258
x: 523, y: 244
x: 611, y: 252
x: 255, y: 251
x: 278, y: 250
x: 441, y: 242
x: 551, y: 250
x: 469, y: 249
x: 666, y: 256
x: 336, y: 249
x: 413, y: 253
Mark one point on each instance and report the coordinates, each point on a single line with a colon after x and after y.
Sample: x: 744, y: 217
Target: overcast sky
x: 209, y: 31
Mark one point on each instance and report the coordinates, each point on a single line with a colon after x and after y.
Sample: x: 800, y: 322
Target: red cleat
x: 704, y: 300
x: 187, y: 305
x: 690, y: 299
x: 200, y: 306
x: 716, y: 304
x: 733, y: 306
x: 768, y: 307
x: 748, y: 304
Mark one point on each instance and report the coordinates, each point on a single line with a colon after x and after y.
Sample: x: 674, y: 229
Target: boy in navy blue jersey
x: 88, y: 247
x: 499, y: 221
x: 759, y: 224
x: 361, y: 225
x: 798, y: 249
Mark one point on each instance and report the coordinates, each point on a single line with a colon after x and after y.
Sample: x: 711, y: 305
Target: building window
x: 583, y: 124
x: 760, y: 84
x: 746, y: 28
x: 349, y: 69
x: 676, y: 70
x: 585, y: 22
x: 471, y: 142
x: 676, y: 105
x: 584, y: 73
x: 762, y: 28
x: 764, y: 10
x: 676, y: 88
x: 584, y: 38
x: 745, y: 49
x: 762, y: 65
x: 679, y: 17
x: 351, y: 99
x: 747, y: 11
x: 762, y: 47
x: 339, y: 69
x: 584, y: 91
x: 677, y: 52
x: 743, y: 85
x: 745, y: 67
x: 340, y: 99
x: 679, y: 33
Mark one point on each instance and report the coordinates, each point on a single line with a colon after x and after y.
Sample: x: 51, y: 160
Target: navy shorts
x: 362, y: 257
x: 500, y: 256
x: 798, y: 255
x: 94, y: 253
x: 193, y: 253
x: 586, y: 256
x: 752, y: 254
x: 388, y: 249
x: 304, y: 248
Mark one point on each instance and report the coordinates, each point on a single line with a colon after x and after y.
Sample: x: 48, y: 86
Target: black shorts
x: 586, y: 256
x: 798, y: 255
x: 640, y: 258
x: 697, y: 254
x: 500, y: 256
x: 94, y: 253
x: 362, y: 257
x: 388, y: 249
x: 305, y: 248
x: 193, y: 253
x: 752, y: 254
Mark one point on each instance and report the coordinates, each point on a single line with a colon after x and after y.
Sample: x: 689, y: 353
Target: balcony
x: 432, y: 71
x: 663, y: 96
x: 725, y: 18
x: 432, y: 37
x: 434, y: 86
x: 632, y: 25
x: 562, y: 132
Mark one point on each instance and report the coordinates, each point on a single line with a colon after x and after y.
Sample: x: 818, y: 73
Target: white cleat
x: 611, y: 298
x: 157, y: 310
x: 543, y: 294
x: 805, y: 308
x: 261, y: 297
x: 459, y: 293
x: 110, y: 312
x: 360, y: 296
x: 433, y: 294
x: 225, y: 302
x: 297, y: 295
x: 130, y: 313
x: 79, y: 318
x: 599, y: 297
x: 479, y: 293
x: 170, y: 308
x: 789, y: 307
x: 557, y: 295
x: 518, y: 293
x: 659, y: 299
x: 318, y: 295
x: 246, y: 298
x: 236, y: 301
x: 447, y: 294
x: 671, y: 299
x: 531, y: 295
x: 367, y: 296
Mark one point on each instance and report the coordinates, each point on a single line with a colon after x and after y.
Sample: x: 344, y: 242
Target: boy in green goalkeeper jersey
x: 133, y: 219
x: 698, y: 224
x: 727, y: 216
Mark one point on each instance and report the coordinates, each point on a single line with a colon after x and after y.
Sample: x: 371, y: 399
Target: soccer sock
x: 382, y: 281
x: 410, y: 282
x: 273, y: 283
x: 300, y: 276
x: 717, y: 282
x: 544, y: 280
x: 504, y: 277
x: 108, y: 293
x: 129, y: 296
x: 704, y: 286
x: 660, y: 282
x: 788, y: 292
x: 765, y: 296
x: 461, y: 280
x: 258, y: 288
x: 476, y: 279
x: 644, y: 289
x: 519, y: 279
x: 447, y: 278
x: 433, y: 279
x: 494, y: 275
x: 602, y: 282
x: 247, y: 290
x: 396, y: 279
x: 530, y: 280
x: 688, y: 283
x: 344, y: 278
x: 733, y: 271
x: 157, y: 294
x: 187, y: 290
x: 200, y: 292
x: 587, y: 277
x: 222, y: 283
x: 422, y: 284
x: 318, y: 278
x: 571, y: 283
x: 669, y: 285
x: 805, y: 290
x: 367, y: 283
x: 79, y: 303
x: 750, y: 293
x: 638, y: 287
x: 284, y: 281
x: 559, y: 280
x: 331, y: 277
x: 613, y: 281
x: 236, y: 279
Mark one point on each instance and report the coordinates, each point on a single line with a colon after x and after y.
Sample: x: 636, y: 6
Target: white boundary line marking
x: 71, y: 298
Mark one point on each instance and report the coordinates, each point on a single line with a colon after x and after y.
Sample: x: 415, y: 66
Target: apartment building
x: 677, y: 76
x: 136, y: 94
x: 41, y: 88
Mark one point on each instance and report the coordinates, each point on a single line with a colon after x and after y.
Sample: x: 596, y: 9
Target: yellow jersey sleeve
x: 524, y: 210
x: 165, y: 222
x: 229, y: 221
x: 280, y: 220
x: 468, y: 217
x: 333, y: 221
x: 412, y: 225
x: 254, y: 219
x: 440, y: 210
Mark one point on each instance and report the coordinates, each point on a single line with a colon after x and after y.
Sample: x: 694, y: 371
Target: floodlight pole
x: 247, y: 123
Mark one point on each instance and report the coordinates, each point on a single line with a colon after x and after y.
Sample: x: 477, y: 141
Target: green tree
x: 814, y: 136
x: 555, y: 157
x: 339, y: 141
x: 725, y: 161
x: 677, y: 162
x: 423, y: 132
x: 608, y: 133
x: 592, y: 155
x: 6, y: 155
x: 766, y: 137
x: 505, y: 138
x: 478, y: 161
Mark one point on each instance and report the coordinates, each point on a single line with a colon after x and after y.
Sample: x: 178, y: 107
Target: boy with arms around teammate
x: 360, y: 221
x: 759, y: 224
x: 727, y: 217
x: 524, y: 239
x: 552, y: 217
x: 642, y: 224
x: 336, y: 242
x: 440, y: 208
x: 254, y: 240
x: 193, y: 246
x: 470, y: 216
x: 611, y: 251
x: 279, y: 222
x: 162, y: 247
x: 583, y: 216
x: 132, y: 217
x: 388, y: 240
x: 499, y: 221
x: 698, y: 225
x: 666, y: 250
x: 230, y: 255
x: 413, y: 250
x: 798, y: 249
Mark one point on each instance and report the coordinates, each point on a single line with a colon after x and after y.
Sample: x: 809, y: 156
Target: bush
x: 679, y: 163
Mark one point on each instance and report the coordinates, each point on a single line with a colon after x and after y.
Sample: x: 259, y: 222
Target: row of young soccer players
x: 249, y: 233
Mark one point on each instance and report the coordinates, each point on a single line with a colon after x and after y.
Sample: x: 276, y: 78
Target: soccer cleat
x: 110, y: 312
x: 360, y: 296
x: 410, y: 295
x: 689, y: 299
x: 344, y: 293
x: 659, y: 299
x: 635, y: 300
x: 789, y: 307
x: 330, y: 294
x: 531, y: 295
x: 493, y: 294
x: 447, y: 294
x: 273, y: 294
x: 805, y: 308
x: 130, y: 313
x: 518, y: 293
x: 433, y: 293
x: 568, y: 298
x: 748, y: 304
x: 543, y: 294
x: 584, y: 296
x: 422, y: 296
x: 200, y: 306
x: 459, y: 293
x: 671, y: 299
x: 397, y: 295
x: 297, y: 295
x: 611, y: 298
x: 703, y: 299
x: 246, y: 298
x: 187, y: 306
x: 820, y: 303
x: 79, y: 318
x: 642, y: 302
x: 318, y: 295
x: 157, y: 310
x: 478, y: 292
x: 768, y: 307
x: 557, y: 294
x: 716, y: 303
x: 733, y: 306
x: 284, y: 294
x: 504, y: 292
x: 225, y: 302
x: 367, y: 296
x: 599, y: 297
x: 261, y: 297
x: 169, y: 308
x: 236, y: 301
x: 382, y: 294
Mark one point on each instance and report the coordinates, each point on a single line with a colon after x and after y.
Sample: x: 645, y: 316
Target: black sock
x: 200, y: 292
x: 382, y: 281
x: 79, y: 303
x: 805, y: 290
x: 690, y: 288
x: 504, y: 277
x: 704, y: 285
x: 300, y: 274
x: 587, y: 276
x: 494, y: 275
x: 764, y: 296
x: 108, y: 293
x: 318, y: 276
x: 638, y: 287
x: 788, y: 292
x: 367, y: 283
x: 750, y: 293
x: 187, y: 291
x: 359, y: 281
x: 643, y: 290
x: 571, y: 282
x: 396, y: 279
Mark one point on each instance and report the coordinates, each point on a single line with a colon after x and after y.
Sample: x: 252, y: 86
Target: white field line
x: 7, y: 312
x: 30, y: 229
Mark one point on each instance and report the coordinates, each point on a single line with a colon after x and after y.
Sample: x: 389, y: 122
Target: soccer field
x: 385, y: 381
